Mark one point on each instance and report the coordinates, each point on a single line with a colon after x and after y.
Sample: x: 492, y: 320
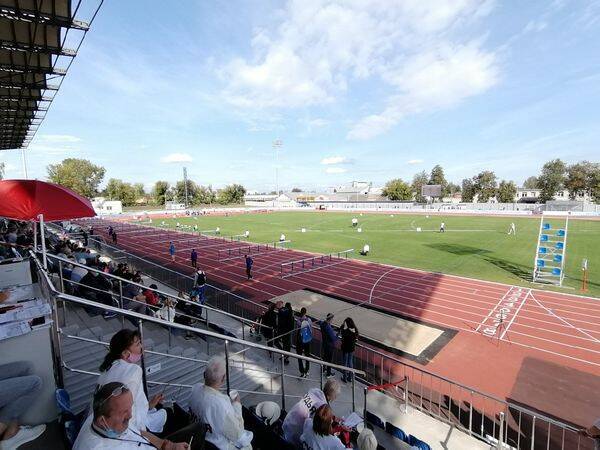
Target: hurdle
x: 251, y: 249
x: 304, y: 265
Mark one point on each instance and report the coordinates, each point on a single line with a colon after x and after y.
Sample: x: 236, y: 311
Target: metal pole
x: 353, y: 393
x: 283, y: 383
x: 24, y: 161
x: 145, y: 381
x: 43, y: 237
x: 121, y: 302
x: 533, y: 433
x: 227, y: 365
x: 365, y: 406
x: 406, y: 396
x: 60, y: 274
x: 501, y: 432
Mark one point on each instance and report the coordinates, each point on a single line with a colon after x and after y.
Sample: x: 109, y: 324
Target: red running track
x: 496, y: 322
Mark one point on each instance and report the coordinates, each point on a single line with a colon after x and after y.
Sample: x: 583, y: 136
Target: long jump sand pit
x: 407, y: 337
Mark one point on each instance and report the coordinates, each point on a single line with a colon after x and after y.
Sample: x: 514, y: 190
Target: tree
x: 485, y: 185
x: 419, y: 180
x: 397, y: 190
x: 139, y: 192
x: 437, y: 177
x: 192, y: 192
x: 296, y: 190
x: 233, y: 193
x: 594, y: 183
x: 206, y: 195
x: 121, y: 191
x: 507, y: 191
x: 452, y: 188
x: 579, y: 177
x: 467, y: 190
x: 159, y: 192
x: 79, y: 175
x: 552, y: 179
x: 531, y: 183
x: 2, y: 167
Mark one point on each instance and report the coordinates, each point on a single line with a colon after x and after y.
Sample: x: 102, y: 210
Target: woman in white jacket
x: 121, y: 364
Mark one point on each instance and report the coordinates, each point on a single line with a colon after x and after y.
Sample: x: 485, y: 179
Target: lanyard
x: 139, y: 443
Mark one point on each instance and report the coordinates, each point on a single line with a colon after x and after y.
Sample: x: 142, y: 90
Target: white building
x: 105, y: 207
x: 525, y: 195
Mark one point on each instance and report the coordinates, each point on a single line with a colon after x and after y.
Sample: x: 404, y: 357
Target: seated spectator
x: 366, y: 440
x: 78, y: 272
x: 222, y: 413
x: 96, y: 287
x: 306, y: 407
x: 121, y: 364
x: 18, y: 390
x: 269, y: 412
x: 167, y: 312
x: 151, y: 296
x: 108, y: 426
x: 318, y: 431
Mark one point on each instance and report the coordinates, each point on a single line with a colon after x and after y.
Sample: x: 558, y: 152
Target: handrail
x: 386, y: 385
x: 143, y: 317
x: 123, y: 280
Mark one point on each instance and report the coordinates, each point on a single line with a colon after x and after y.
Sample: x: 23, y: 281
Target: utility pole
x: 185, y: 186
x: 277, y: 144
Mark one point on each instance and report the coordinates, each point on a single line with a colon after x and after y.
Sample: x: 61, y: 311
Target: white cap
x: 268, y: 411
x: 81, y: 261
x: 366, y: 440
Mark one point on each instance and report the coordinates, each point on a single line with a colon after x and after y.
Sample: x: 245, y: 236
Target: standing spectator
x: 172, y: 250
x: 110, y: 231
x: 286, y: 328
x: 303, y: 341
x: 85, y: 238
x: 306, y: 407
x: 200, y: 277
x: 349, y: 337
x: 194, y: 258
x: 220, y: 411
x: 114, y: 237
x: 249, y: 263
x: 18, y: 390
x: 328, y: 343
x: 269, y: 320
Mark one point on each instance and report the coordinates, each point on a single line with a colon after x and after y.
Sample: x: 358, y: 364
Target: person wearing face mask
x: 109, y: 427
x: 121, y: 364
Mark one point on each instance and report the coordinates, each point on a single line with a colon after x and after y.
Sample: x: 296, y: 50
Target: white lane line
x: 493, y: 309
x: 515, y: 314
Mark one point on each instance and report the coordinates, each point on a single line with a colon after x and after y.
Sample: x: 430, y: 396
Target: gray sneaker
x: 24, y: 435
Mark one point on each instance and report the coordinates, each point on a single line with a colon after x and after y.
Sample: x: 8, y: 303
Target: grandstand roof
x: 32, y: 47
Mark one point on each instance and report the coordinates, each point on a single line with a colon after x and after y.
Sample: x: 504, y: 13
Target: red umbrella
x: 27, y: 199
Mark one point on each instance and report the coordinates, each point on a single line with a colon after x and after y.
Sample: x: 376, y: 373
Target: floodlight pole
x: 277, y: 144
x: 185, y: 186
x: 24, y: 161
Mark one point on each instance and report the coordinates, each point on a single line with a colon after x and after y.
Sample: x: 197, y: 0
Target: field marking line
x: 515, y: 315
x: 563, y: 320
x: 493, y: 309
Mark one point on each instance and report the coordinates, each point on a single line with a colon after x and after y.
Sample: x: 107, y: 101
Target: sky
x: 363, y: 90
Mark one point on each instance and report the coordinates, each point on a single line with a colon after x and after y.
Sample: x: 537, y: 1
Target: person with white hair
x: 293, y: 424
x: 222, y: 413
x: 366, y: 440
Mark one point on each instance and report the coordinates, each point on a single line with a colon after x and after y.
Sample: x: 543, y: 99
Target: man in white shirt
x: 222, y: 413
x: 108, y: 426
x: 294, y: 421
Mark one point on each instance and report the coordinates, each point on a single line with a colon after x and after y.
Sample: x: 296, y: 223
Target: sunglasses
x: 119, y: 390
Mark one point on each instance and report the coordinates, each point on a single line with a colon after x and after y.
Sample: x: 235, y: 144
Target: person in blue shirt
x: 194, y: 258
x: 329, y: 341
x: 249, y: 262
x: 172, y: 251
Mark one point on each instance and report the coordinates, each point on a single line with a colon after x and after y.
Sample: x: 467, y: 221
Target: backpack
x: 305, y: 334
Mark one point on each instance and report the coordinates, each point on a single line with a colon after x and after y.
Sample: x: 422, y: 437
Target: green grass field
x: 476, y: 247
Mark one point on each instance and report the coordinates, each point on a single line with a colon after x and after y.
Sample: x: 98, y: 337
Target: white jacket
x: 89, y: 439
x: 131, y: 375
x: 224, y: 417
x: 314, y: 441
x: 166, y: 313
x: 304, y: 409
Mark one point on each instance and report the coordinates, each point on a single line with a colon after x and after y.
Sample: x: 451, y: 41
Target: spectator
x: 78, y: 272
x: 222, y: 413
x: 269, y: 319
x: 249, y: 263
x: 366, y: 440
x: 329, y: 341
x: 349, y: 333
x: 167, y: 312
x: 151, y: 295
x: 303, y: 341
x: 18, y: 390
x: 114, y: 237
x: 108, y: 426
x: 96, y: 288
x: 294, y: 421
x: 286, y: 328
x: 318, y: 432
x: 194, y: 258
x: 120, y: 364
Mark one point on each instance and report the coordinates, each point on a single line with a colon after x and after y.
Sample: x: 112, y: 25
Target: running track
x: 561, y: 327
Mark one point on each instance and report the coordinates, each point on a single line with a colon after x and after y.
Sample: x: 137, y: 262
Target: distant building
x: 525, y: 195
x: 174, y: 205
x: 104, y: 207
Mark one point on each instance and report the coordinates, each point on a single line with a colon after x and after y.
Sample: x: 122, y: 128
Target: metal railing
x: 480, y: 415
x: 49, y: 290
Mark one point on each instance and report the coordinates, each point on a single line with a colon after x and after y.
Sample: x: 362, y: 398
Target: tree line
x: 578, y: 179
x: 84, y: 177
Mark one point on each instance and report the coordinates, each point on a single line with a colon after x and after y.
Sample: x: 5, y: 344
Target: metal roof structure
x: 33, y: 62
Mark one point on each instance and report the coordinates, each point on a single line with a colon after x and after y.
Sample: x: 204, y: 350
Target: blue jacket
x: 328, y: 334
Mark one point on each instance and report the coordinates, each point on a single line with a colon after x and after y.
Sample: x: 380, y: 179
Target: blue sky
x: 356, y: 90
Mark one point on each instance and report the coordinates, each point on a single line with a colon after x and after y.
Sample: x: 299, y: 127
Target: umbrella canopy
x: 27, y: 199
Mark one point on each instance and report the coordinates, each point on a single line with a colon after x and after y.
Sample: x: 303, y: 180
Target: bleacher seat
x: 418, y: 443
x: 375, y: 420
x: 396, y: 432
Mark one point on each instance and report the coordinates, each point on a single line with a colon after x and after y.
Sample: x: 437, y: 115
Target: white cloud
x: 335, y: 170
x: 58, y: 138
x: 176, y: 158
x: 335, y: 160
x: 318, y: 123
x: 321, y: 47
x: 414, y: 161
